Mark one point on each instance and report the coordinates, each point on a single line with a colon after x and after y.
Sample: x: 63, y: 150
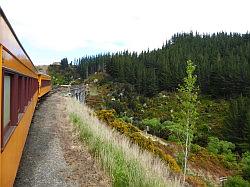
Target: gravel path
x: 53, y: 155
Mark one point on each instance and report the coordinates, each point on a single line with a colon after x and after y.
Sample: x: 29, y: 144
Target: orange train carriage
x: 44, y: 82
x: 20, y: 86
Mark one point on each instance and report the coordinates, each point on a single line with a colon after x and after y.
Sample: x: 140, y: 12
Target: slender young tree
x: 184, y: 124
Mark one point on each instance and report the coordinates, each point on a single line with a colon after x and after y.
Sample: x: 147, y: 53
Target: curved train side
x: 20, y: 86
x: 44, y: 86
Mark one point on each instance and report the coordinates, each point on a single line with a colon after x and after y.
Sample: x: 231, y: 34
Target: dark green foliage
x: 245, y: 162
x: 223, y: 64
x: 116, y: 105
x: 236, y: 181
x: 217, y: 146
x: 64, y: 73
x: 64, y: 64
x: 237, y: 124
x: 225, y: 149
x: 89, y: 65
x: 202, y: 133
x: 154, y: 125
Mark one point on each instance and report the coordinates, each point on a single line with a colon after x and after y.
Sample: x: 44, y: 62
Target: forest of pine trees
x: 222, y: 59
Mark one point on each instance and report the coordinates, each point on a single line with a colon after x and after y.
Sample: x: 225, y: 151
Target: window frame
x: 20, y: 87
x: 3, y: 89
x: 20, y: 97
x: 8, y: 130
x: 45, y: 83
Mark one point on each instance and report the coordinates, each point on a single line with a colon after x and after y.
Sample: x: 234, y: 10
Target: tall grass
x: 125, y: 162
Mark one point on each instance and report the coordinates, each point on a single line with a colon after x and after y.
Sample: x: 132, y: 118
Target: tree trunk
x: 186, y: 152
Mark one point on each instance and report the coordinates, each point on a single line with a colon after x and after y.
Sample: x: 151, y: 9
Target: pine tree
x: 64, y: 64
x: 237, y: 124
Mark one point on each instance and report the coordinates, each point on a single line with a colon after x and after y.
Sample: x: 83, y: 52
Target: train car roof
x: 46, y: 76
x: 14, y: 34
x: 41, y: 73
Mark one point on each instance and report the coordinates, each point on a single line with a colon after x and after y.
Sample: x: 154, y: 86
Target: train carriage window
x: 7, y: 104
x: 25, y: 91
x: 20, y: 87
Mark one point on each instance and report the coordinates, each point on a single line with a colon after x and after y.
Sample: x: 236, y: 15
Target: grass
x: 125, y: 162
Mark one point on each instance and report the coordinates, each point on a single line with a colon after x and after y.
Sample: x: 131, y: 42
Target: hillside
x: 153, y: 112
x: 138, y: 92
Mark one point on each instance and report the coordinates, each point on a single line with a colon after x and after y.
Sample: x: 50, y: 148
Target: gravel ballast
x: 53, y: 155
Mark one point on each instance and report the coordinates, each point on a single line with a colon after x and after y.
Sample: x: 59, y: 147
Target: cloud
x: 62, y: 26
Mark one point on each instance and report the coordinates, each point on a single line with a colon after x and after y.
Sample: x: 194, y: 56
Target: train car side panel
x: 44, y: 84
x: 1, y: 48
x: 12, y: 152
x: 12, y: 63
x: 44, y: 90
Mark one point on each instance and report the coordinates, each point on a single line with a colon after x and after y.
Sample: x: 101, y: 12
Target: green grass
x: 124, y: 162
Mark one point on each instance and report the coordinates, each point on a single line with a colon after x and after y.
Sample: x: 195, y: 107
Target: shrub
x: 245, y: 162
x: 236, y: 181
x: 118, y: 106
x: 195, y: 181
x: 126, y: 119
x: 229, y: 161
x: 223, y: 148
x: 106, y: 115
x: 195, y: 148
x: 201, y: 135
x: 154, y: 124
x: 213, y: 145
x: 217, y: 146
x: 156, y: 127
x: 136, y: 137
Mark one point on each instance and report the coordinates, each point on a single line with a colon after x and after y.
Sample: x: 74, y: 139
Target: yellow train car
x: 44, y: 84
x: 19, y: 88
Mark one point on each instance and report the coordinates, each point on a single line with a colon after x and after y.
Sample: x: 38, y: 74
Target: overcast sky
x: 53, y: 29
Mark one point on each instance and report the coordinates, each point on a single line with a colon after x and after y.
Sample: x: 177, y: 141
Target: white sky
x: 53, y: 29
